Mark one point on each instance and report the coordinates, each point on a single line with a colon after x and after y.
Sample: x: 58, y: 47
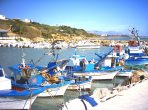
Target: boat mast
x: 23, y: 58
x: 134, y: 32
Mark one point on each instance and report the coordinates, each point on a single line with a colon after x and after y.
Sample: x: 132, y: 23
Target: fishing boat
x: 13, y: 98
x: 81, y: 67
x: 98, y: 75
x: 57, y: 68
x: 86, y: 45
x: 134, y: 48
x: 29, y: 74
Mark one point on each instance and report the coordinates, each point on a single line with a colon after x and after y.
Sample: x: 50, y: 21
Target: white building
x: 102, y: 35
x: 3, y: 17
x: 27, y: 20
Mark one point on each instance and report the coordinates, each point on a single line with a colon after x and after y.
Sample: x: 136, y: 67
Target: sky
x: 90, y: 15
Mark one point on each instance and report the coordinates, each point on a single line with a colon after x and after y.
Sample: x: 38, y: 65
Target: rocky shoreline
x: 25, y: 43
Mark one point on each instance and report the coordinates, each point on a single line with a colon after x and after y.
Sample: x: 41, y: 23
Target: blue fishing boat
x: 13, y: 98
x: 57, y: 69
x: 27, y: 75
x: 81, y: 67
x: 136, y: 61
x: 135, y: 49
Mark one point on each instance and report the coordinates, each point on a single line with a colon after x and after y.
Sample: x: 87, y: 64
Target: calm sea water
x: 11, y: 56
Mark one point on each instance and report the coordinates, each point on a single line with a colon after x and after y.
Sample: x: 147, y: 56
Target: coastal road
x: 134, y: 98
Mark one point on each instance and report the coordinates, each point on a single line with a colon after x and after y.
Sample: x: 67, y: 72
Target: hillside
x: 37, y: 32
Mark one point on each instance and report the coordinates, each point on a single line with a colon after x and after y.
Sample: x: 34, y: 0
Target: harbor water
x: 11, y: 56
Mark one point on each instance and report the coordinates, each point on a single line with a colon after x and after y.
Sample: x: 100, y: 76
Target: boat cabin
x: 22, y: 74
x: 80, y: 63
x: 135, y: 51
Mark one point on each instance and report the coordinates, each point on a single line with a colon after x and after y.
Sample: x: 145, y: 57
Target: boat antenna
x: 134, y: 32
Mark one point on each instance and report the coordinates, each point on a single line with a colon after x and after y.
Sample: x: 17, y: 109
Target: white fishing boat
x: 86, y: 45
x: 83, y: 68
x: 11, y: 98
x: 99, y: 75
x: 134, y: 48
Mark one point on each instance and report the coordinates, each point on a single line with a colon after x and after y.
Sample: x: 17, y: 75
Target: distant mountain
x: 96, y: 32
x: 105, y: 32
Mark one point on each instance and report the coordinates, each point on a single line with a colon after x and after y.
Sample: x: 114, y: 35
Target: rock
x: 115, y: 92
x: 101, y: 92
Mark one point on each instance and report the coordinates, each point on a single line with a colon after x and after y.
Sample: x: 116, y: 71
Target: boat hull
x: 126, y: 73
x: 138, y: 61
x: 80, y: 86
x: 16, y: 103
x: 98, y: 75
x: 55, y: 91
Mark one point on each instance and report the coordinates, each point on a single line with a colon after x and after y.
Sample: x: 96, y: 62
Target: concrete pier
x: 134, y: 98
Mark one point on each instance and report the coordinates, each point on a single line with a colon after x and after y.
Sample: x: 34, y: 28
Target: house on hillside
x: 3, y: 33
x: 6, y: 40
x: 2, y: 17
x: 28, y: 21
